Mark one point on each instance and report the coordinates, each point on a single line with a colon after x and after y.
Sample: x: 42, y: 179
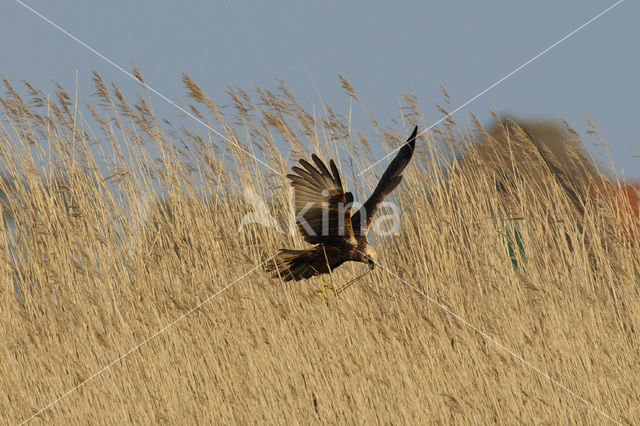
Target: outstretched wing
x: 388, y: 182
x: 323, y: 209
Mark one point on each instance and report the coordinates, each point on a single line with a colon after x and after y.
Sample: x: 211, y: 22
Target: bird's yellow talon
x: 323, y: 293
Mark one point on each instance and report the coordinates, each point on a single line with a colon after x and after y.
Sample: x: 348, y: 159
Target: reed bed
x: 120, y: 248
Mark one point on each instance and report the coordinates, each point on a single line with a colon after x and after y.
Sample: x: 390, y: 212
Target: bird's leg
x: 328, y: 287
x: 323, y: 293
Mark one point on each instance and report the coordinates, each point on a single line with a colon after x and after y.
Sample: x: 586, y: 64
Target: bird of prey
x: 323, y: 216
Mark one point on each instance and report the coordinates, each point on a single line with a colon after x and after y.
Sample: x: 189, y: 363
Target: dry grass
x: 92, y: 266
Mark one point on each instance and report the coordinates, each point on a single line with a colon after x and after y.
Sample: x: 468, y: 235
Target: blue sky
x: 382, y: 48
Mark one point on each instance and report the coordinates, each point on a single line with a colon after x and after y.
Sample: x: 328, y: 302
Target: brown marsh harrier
x: 323, y: 216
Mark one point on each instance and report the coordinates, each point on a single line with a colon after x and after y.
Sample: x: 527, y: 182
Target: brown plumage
x: 323, y: 216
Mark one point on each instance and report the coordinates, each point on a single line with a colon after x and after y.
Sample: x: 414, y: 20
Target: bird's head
x: 369, y: 256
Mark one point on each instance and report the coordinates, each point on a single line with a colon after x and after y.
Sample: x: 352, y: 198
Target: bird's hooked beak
x: 372, y: 264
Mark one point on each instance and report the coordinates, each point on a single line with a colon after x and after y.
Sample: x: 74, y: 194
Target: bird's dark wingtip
x: 411, y: 141
x: 304, y: 163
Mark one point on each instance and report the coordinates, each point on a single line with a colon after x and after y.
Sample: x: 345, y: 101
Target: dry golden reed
x: 116, y: 224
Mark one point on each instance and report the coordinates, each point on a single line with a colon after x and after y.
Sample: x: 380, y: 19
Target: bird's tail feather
x: 292, y: 265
